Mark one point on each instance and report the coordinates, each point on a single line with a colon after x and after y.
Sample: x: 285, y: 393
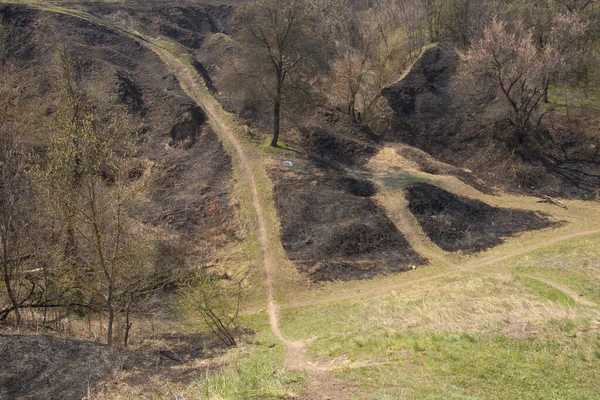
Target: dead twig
x: 552, y: 200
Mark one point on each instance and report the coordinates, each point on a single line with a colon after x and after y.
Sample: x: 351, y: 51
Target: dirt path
x: 322, y: 384
x: 397, y: 210
x: 566, y: 290
x: 473, y: 265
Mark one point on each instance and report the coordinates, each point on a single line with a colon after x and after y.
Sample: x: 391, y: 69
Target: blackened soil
x: 456, y: 223
x: 43, y: 367
x: 188, y: 194
x: 332, y: 137
x: 464, y: 125
x: 191, y: 192
x: 433, y: 166
x: 333, y: 231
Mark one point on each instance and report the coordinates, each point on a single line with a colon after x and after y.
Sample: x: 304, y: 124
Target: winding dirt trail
x: 322, y: 385
x: 455, y: 268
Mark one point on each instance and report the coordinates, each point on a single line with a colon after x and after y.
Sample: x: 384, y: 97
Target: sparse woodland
x: 365, y: 197
x: 522, y: 49
x: 68, y: 242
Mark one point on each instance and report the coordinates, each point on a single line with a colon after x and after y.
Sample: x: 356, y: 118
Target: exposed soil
x: 190, y: 193
x: 456, y: 223
x: 43, y: 367
x: 430, y: 165
x: 46, y: 367
x: 186, y: 22
x: 465, y: 127
x: 331, y: 137
x: 333, y: 231
x: 324, y: 386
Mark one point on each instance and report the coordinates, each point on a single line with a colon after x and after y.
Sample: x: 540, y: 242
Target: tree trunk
x: 111, y: 315
x: 127, y: 323
x: 8, y: 279
x: 276, y: 114
x: 352, y: 104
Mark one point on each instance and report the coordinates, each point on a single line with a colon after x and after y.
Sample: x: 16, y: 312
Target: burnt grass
x: 464, y: 125
x: 456, y: 223
x: 334, y: 139
x: 189, y: 195
x: 332, y: 230
x: 43, y: 367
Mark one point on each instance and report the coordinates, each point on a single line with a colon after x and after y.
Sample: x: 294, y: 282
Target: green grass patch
x: 546, y: 291
x: 402, y: 178
x: 563, y: 96
x: 464, y: 337
x: 575, y: 264
x: 254, y: 371
x: 427, y: 365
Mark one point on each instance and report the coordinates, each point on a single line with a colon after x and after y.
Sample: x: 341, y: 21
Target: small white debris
x: 288, y: 164
x: 414, y: 267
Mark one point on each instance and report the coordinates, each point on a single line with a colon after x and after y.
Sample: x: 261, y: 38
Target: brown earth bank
x: 49, y: 367
x: 181, y: 160
x: 456, y: 223
x: 464, y: 127
x: 44, y: 367
x: 332, y: 230
x: 333, y: 139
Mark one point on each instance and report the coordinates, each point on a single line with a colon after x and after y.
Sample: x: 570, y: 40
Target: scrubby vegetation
x: 424, y: 223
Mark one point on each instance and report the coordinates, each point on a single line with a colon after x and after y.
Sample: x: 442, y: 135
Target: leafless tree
x: 511, y: 61
x: 277, y: 43
x: 90, y: 153
x: 217, y: 301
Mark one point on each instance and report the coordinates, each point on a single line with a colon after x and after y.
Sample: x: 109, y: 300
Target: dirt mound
x: 456, y: 223
x: 193, y: 200
x: 432, y: 166
x: 188, y: 126
x: 358, y: 187
x: 186, y: 22
x: 332, y: 231
x: 334, y: 138
x: 428, y: 110
x: 43, y: 367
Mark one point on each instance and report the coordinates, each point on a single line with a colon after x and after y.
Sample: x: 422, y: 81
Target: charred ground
x: 183, y: 161
x: 456, y: 223
x: 332, y: 230
x: 463, y: 127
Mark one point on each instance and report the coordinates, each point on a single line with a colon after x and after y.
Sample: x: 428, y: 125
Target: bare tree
x: 512, y: 62
x: 92, y: 146
x: 15, y: 210
x: 577, y: 5
x: 276, y: 36
x: 217, y: 301
x: 353, y: 41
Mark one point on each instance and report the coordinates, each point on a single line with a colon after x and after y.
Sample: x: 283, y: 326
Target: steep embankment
x: 464, y: 126
x: 190, y: 207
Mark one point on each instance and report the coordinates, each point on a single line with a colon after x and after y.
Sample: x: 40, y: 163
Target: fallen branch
x: 552, y: 200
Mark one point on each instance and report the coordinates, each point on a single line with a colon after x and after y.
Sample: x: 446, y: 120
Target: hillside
x: 431, y: 112
x: 402, y: 240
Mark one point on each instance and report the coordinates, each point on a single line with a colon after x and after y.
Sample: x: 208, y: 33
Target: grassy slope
x: 494, y: 332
